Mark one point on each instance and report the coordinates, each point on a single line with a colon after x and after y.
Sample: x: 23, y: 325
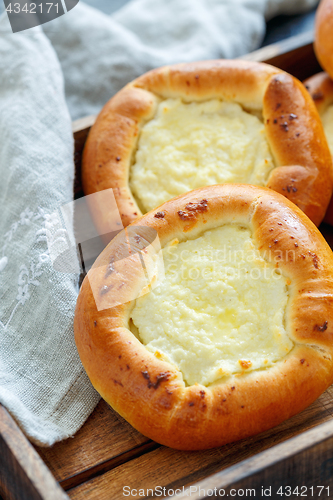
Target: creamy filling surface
x: 327, y: 119
x: 219, y: 310
x: 190, y: 145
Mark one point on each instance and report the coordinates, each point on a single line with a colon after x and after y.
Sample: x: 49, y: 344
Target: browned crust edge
x: 320, y: 87
x: 292, y: 123
x: 296, y: 136
x: 150, y: 393
x: 323, y: 42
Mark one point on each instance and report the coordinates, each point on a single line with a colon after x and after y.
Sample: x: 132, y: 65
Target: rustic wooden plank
x: 112, y: 463
x: 80, y: 130
x: 308, y: 456
x: 23, y: 475
x: 104, y: 438
x: 82, y: 124
x: 174, y: 469
x: 294, y: 55
x: 281, y: 48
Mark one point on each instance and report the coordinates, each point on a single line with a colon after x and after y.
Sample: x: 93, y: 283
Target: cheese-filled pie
x: 234, y: 336
x: 320, y: 87
x: 181, y: 127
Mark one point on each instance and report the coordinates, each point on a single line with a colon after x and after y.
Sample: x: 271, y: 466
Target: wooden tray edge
x: 22, y: 472
x: 266, y: 467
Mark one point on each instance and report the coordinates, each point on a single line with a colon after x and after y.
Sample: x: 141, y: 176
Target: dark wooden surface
x: 107, y: 454
x: 304, y: 464
x: 22, y: 474
x: 102, y: 443
x: 171, y: 468
x: 295, y: 55
x: 283, y: 27
x: 80, y: 130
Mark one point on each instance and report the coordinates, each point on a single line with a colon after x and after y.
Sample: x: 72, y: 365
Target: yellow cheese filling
x: 190, y: 145
x: 327, y: 119
x: 219, y: 309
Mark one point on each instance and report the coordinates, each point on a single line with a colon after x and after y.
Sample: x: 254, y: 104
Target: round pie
x: 231, y: 336
x: 185, y: 126
x: 323, y: 42
x: 320, y: 87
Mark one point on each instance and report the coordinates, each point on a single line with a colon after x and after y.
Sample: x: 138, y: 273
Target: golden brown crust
x: 320, y: 87
x: 323, y: 43
x: 150, y: 393
x: 109, y: 148
x: 299, y: 146
x: 295, y: 141
x: 242, y: 81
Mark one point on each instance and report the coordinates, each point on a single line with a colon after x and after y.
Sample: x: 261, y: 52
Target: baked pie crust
x: 303, y: 167
x: 320, y: 87
x: 323, y: 42
x: 150, y: 392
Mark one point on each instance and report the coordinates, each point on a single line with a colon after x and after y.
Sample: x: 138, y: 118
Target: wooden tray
x: 107, y: 454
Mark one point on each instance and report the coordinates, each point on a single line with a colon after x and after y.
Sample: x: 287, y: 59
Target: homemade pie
x: 181, y: 127
x: 234, y: 336
x: 323, y: 40
x: 320, y: 87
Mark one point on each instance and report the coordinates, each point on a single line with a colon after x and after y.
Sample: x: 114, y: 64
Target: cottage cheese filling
x: 220, y: 309
x: 190, y: 145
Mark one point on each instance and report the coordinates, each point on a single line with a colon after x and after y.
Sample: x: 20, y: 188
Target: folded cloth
x: 99, y: 54
x: 42, y: 382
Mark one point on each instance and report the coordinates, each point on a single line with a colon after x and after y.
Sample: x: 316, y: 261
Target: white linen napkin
x: 99, y: 54
x: 42, y: 382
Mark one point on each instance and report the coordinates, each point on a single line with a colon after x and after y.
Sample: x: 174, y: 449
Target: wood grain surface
x: 303, y: 463
x: 294, y: 55
x: 100, y: 443
x: 173, y: 469
x: 22, y: 474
